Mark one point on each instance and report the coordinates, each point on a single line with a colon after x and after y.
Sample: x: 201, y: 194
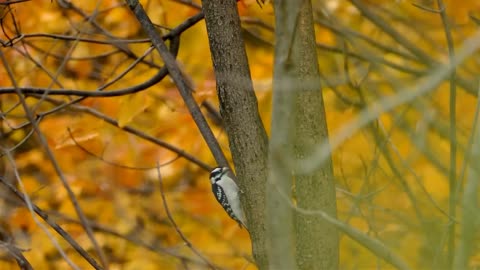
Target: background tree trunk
x: 298, y: 124
x: 317, y: 240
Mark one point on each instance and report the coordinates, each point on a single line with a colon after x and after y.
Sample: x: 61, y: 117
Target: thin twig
x: 132, y: 238
x: 374, y: 245
x: 424, y: 8
x: 12, y: 2
x: 111, y: 163
x: 323, y: 151
x: 452, y: 177
x: 402, y: 40
x: 54, y: 226
x: 175, y: 226
x: 51, y: 157
x: 143, y: 135
x: 16, y: 254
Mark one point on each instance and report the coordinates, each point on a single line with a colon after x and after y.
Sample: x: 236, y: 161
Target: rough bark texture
x: 297, y: 90
x: 238, y: 107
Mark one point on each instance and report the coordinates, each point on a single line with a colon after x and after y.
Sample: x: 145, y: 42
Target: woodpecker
x: 227, y: 194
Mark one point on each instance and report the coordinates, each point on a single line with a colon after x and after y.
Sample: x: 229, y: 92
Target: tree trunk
x: 298, y: 124
x: 238, y: 107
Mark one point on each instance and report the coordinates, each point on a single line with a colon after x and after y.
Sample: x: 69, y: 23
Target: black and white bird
x: 227, y: 193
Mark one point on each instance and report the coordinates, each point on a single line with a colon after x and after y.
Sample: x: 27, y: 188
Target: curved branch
x: 173, y: 35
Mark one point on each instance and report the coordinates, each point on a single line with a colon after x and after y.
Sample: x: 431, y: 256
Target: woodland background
x: 394, y: 176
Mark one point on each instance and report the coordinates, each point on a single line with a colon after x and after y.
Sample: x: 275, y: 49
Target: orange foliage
x: 113, y: 173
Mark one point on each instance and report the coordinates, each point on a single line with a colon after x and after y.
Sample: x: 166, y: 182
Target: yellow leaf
x: 131, y: 106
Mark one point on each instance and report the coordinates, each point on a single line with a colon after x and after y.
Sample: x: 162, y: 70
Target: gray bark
x: 238, y: 107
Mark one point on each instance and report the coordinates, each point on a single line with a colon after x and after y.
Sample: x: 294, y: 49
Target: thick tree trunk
x: 298, y: 124
x: 239, y: 110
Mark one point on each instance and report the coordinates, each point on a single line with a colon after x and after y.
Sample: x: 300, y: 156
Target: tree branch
x: 179, y: 79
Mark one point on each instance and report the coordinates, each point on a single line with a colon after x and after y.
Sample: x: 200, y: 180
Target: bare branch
x: 180, y: 80
x: 175, y: 226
